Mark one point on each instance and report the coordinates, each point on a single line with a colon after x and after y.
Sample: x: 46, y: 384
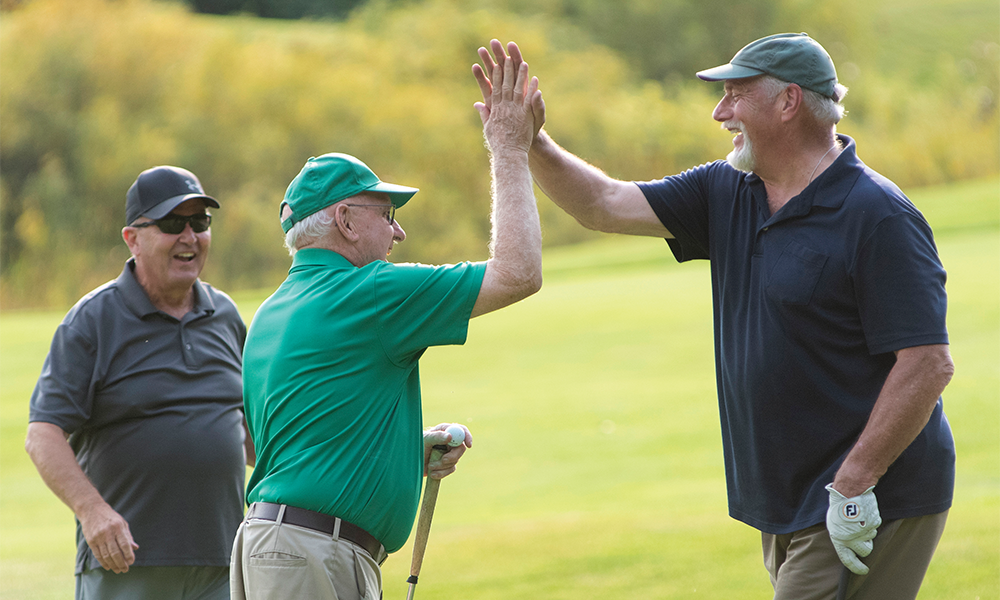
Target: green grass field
x: 597, y: 465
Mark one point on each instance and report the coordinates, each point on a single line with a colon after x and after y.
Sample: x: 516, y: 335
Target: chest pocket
x: 795, y: 274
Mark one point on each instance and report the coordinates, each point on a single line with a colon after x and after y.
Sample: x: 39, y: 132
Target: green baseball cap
x: 328, y: 179
x: 791, y: 57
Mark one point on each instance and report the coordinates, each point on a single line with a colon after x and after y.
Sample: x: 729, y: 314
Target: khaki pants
x: 804, y: 565
x: 275, y: 561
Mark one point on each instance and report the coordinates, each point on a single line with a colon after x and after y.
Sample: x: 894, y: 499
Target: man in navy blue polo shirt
x: 136, y: 422
x: 830, y: 338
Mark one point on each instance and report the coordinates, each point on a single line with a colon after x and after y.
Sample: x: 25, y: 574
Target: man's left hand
x: 484, y: 73
x: 852, y: 524
x: 508, y: 116
x: 446, y: 465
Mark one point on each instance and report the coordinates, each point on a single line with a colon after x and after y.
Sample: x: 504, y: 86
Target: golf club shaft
x: 424, y: 522
x: 845, y: 579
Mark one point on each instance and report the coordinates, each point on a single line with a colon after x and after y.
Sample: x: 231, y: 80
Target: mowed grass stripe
x: 597, y: 465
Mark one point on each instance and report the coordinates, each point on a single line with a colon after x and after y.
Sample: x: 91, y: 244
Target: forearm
x: 516, y: 237
x: 902, y: 410
x: 106, y: 532
x: 596, y: 200
x: 514, y: 270
x: 572, y: 184
x: 47, y: 446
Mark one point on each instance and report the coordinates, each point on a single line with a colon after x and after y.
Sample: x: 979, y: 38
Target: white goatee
x: 742, y: 158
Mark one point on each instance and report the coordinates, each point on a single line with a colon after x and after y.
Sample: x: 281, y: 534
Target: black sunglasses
x: 174, y: 224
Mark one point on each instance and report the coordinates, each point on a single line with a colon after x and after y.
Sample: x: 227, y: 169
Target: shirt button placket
x: 186, y: 348
x: 758, y: 246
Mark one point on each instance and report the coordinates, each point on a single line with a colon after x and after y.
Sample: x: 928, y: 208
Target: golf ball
x: 457, y: 435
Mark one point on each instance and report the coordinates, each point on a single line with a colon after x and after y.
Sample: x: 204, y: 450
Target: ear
x: 130, y: 235
x: 790, y: 102
x: 344, y: 223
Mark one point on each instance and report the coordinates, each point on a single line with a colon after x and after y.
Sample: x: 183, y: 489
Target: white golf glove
x: 852, y: 523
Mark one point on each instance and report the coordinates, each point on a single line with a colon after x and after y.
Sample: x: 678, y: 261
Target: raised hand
x: 486, y: 78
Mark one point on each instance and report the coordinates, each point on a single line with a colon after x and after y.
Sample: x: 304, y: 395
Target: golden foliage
x: 96, y: 91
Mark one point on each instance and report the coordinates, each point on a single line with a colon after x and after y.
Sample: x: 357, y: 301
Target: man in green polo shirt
x: 332, y: 390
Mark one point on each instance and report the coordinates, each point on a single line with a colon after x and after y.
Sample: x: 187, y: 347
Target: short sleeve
x: 900, y: 286
x: 682, y: 203
x: 421, y: 305
x: 64, y: 392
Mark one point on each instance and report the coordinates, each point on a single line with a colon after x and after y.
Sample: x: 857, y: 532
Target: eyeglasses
x: 390, y: 216
x: 174, y: 224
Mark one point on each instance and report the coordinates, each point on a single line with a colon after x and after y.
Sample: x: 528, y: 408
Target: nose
x: 723, y: 110
x: 398, y: 235
x: 187, y: 234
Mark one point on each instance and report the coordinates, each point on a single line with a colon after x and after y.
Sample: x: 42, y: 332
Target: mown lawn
x: 597, y: 465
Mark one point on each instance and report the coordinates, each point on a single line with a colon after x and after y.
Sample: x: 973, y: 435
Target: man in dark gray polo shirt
x: 136, y: 421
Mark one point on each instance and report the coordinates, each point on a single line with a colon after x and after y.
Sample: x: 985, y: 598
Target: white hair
x: 314, y: 227
x: 826, y: 110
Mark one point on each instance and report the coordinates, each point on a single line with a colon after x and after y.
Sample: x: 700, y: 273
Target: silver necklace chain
x: 819, y: 163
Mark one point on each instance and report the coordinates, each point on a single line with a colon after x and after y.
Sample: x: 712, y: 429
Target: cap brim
x: 728, y: 71
x: 163, y: 208
x: 398, y: 194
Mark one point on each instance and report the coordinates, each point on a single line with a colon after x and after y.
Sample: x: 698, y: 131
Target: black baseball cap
x: 159, y: 190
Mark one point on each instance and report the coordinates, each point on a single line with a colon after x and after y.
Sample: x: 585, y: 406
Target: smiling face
x: 743, y: 112
x: 168, y: 264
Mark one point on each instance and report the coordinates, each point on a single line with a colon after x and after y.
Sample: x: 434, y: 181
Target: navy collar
x: 828, y: 190
x: 832, y: 186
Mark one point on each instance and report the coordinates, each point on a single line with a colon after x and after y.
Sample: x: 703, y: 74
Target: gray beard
x: 743, y: 159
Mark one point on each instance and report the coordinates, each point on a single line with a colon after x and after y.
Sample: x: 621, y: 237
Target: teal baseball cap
x: 791, y: 57
x: 328, y: 179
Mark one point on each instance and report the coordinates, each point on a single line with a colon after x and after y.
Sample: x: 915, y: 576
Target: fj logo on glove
x: 852, y: 525
x: 852, y: 511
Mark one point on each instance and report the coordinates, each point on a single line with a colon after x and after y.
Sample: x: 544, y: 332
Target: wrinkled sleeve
x: 64, y: 392
x: 900, y: 286
x: 682, y: 205
x: 421, y: 305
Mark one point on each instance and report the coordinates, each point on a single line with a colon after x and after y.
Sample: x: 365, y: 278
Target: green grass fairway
x: 596, y: 470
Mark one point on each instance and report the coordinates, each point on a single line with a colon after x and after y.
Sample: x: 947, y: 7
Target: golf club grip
x: 426, y: 515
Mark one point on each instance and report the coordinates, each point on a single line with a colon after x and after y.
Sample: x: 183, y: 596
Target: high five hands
x: 508, y: 96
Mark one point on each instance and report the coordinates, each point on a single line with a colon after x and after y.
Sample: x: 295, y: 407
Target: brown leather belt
x: 310, y: 519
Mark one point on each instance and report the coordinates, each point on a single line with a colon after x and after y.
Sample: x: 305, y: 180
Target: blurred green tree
x: 96, y: 91
x: 218, y: 7
x: 278, y: 9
